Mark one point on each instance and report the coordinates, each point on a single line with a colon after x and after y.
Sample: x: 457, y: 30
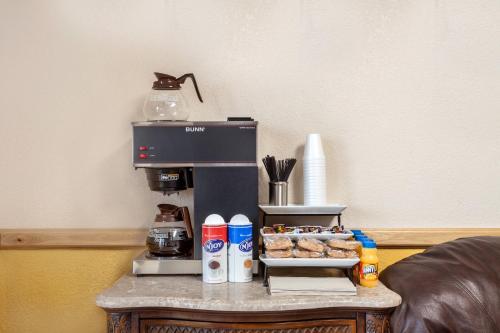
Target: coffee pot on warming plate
x: 171, y: 234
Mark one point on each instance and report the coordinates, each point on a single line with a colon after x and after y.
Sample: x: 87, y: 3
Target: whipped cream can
x: 240, y: 249
x: 214, y: 252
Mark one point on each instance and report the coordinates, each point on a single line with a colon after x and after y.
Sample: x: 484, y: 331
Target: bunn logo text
x: 195, y: 129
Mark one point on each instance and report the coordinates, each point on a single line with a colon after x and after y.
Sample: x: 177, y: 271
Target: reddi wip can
x: 240, y: 249
x: 214, y: 252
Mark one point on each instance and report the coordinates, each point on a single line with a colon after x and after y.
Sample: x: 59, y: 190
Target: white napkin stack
x: 311, y: 286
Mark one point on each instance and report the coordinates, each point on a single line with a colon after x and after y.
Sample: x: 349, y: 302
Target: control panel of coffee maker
x: 167, y: 144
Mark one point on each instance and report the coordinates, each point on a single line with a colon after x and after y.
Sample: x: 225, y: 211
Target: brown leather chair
x: 451, y: 287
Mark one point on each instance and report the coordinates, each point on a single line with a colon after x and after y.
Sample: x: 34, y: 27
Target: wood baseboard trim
x: 120, y: 238
x: 424, y: 237
x: 72, y: 238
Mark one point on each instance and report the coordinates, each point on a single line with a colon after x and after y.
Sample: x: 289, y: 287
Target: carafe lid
x: 167, y: 208
x: 169, y: 82
x: 166, y: 82
x: 214, y: 219
x: 239, y: 219
x: 168, y: 213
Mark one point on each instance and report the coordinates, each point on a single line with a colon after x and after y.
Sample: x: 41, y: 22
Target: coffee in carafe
x: 171, y: 234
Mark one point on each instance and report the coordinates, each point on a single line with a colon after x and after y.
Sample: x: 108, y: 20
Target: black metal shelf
x: 336, y: 211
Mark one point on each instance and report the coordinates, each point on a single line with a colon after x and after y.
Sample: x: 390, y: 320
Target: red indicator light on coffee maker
x: 143, y: 148
x: 143, y: 156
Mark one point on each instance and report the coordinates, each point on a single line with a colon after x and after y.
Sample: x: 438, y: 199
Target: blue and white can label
x: 240, y: 253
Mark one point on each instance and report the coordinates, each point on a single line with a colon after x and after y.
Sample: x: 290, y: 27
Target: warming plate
x: 144, y: 265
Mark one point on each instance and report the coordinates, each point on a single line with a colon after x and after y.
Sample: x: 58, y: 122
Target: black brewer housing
x: 217, y: 159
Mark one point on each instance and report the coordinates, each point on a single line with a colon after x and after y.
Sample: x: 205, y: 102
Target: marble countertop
x: 189, y: 292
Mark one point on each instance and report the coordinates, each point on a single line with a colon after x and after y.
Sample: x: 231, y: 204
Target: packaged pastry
x: 336, y: 229
x: 279, y: 253
x: 313, y: 245
x: 310, y: 229
x: 299, y: 253
x: 343, y: 244
x: 279, y: 228
x: 278, y: 243
x: 351, y: 254
x: 268, y: 230
x: 341, y: 254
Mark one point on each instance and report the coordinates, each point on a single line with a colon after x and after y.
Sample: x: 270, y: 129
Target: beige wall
x: 406, y: 95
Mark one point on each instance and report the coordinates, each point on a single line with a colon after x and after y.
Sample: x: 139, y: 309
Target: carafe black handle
x: 187, y: 221
x: 182, y: 79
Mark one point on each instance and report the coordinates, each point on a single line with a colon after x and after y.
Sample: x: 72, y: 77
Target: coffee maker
x: 217, y: 159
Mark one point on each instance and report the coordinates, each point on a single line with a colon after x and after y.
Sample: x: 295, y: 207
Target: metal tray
x: 308, y: 262
x: 333, y: 209
x: 325, y: 236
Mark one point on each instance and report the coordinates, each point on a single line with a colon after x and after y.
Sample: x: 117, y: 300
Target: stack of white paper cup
x: 314, y: 172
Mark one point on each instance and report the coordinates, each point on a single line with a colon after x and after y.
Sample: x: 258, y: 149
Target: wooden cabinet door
x: 316, y: 326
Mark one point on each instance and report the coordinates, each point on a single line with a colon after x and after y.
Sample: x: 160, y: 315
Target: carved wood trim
x: 119, y: 322
x: 247, y: 317
x: 116, y: 238
x: 360, y: 322
x: 176, y: 326
x: 424, y: 237
x: 377, y: 323
x: 135, y: 322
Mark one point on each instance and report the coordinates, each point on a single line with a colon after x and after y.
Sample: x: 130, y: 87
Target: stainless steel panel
x: 190, y: 164
x: 193, y: 123
x: 143, y: 265
x: 303, y: 210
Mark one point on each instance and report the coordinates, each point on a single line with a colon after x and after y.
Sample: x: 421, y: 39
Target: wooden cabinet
x: 333, y: 320
x: 173, y: 304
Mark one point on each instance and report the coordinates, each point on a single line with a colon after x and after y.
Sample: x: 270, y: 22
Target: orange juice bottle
x: 368, y: 268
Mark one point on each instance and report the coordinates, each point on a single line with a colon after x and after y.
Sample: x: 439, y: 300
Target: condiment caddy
x: 357, y: 258
x: 295, y: 252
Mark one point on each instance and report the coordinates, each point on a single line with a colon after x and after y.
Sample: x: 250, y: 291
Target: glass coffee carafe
x: 166, y: 100
x: 171, y: 234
